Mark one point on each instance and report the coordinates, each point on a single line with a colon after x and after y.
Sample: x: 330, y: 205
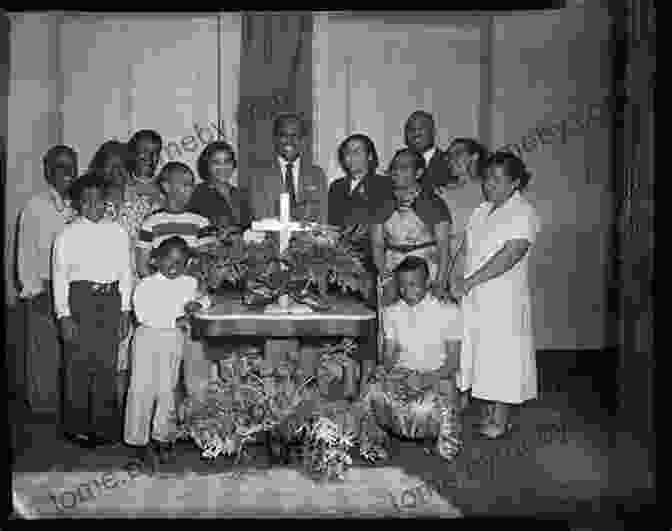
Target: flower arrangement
x: 254, y: 398
x: 317, y: 257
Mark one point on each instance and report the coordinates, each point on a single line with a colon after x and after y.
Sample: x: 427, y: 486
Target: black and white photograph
x: 365, y: 264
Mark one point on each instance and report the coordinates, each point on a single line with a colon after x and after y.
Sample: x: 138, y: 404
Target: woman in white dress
x: 498, y: 358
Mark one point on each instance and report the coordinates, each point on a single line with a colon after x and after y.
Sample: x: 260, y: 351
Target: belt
x: 410, y: 248
x: 100, y: 288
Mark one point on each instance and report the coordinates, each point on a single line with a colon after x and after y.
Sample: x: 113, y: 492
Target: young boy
x: 422, y: 346
x: 160, y: 301
x: 92, y: 281
x: 177, y: 182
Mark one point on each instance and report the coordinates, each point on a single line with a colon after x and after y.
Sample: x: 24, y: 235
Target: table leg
x: 277, y: 350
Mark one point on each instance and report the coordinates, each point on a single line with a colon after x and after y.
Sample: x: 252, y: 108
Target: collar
x: 296, y: 163
x: 429, y: 154
x: 513, y: 198
x: 58, y: 200
x: 423, y: 302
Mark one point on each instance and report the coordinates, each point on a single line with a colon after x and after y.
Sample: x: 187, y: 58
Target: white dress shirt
x: 428, y: 155
x: 296, y: 169
x: 421, y: 331
x: 354, y: 183
x: 43, y: 218
x: 158, y: 301
x: 97, y: 252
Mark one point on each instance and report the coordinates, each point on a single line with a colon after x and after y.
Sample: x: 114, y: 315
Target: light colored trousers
x: 197, y: 368
x: 155, y: 364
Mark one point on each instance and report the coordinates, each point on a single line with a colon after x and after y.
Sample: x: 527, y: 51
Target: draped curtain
x: 275, y: 76
x: 635, y: 91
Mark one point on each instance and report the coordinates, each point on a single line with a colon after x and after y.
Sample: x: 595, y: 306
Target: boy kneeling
x: 414, y: 393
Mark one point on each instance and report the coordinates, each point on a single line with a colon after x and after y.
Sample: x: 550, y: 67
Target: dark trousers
x: 90, y: 405
x: 43, y: 355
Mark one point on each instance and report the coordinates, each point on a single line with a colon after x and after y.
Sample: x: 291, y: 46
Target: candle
x: 284, y: 207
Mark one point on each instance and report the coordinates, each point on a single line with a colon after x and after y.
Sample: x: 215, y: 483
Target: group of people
x: 103, y: 260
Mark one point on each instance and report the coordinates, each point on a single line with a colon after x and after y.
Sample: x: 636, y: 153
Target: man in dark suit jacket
x: 307, y: 183
x: 420, y: 135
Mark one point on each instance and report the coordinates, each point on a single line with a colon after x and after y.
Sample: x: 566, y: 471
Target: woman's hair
x: 473, y: 147
x: 417, y: 157
x: 413, y: 263
x: 370, y: 149
x: 167, y: 245
x: 111, y: 148
x: 144, y: 134
x: 91, y: 179
x: 54, y: 151
x: 512, y: 165
x: 207, y: 154
x: 172, y: 167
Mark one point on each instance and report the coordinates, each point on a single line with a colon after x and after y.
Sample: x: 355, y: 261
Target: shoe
x: 80, y: 439
x: 149, y: 456
x: 166, y: 452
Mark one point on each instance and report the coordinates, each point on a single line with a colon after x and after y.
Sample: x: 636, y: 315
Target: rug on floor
x: 275, y: 492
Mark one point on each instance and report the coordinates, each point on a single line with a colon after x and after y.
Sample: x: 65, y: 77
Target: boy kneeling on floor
x: 414, y: 393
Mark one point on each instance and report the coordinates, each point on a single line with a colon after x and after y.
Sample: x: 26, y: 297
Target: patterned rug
x: 276, y: 492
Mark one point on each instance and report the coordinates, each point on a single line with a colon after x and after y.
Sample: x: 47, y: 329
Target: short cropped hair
x: 370, y: 149
x: 54, y: 151
x: 207, y: 154
x: 421, y: 114
x: 173, y: 167
x: 108, y: 149
x: 144, y: 134
x: 91, y: 179
x: 417, y: 157
x: 167, y: 245
x: 473, y: 147
x: 289, y: 116
x: 512, y: 165
x: 412, y: 263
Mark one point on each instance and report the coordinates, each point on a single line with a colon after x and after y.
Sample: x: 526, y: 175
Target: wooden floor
x: 540, y: 470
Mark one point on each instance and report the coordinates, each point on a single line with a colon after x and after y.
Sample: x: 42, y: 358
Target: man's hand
x: 124, y: 324
x: 69, y: 329
x: 183, y: 323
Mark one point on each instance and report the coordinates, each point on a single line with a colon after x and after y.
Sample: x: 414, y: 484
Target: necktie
x: 289, y: 184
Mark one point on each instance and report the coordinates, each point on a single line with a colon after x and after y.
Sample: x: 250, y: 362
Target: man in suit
x: 290, y: 171
x: 420, y: 136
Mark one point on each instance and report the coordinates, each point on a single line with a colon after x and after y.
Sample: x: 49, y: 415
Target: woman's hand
x: 443, y: 192
x: 124, y: 325
x: 69, y: 329
x: 460, y: 287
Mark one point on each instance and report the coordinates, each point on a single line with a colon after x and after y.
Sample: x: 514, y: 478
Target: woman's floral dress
x: 130, y: 214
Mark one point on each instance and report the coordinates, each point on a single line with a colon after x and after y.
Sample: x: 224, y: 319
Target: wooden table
x: 281, y: 333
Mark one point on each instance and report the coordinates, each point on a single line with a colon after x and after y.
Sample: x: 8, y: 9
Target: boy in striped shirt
x: 177, y: 183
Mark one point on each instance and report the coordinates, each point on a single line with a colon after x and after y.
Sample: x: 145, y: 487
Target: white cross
x: 285, y: 226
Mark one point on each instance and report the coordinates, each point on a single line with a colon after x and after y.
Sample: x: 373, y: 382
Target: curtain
x: 635, y: 212
x: 275, y: 76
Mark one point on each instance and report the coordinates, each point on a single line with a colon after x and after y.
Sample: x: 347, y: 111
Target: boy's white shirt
x: 92, y: 251
x: 159, y: 301
x: 420, y: 332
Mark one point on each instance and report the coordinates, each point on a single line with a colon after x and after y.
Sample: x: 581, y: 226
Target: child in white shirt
x: 163, y: 303
x: 422, y: 347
